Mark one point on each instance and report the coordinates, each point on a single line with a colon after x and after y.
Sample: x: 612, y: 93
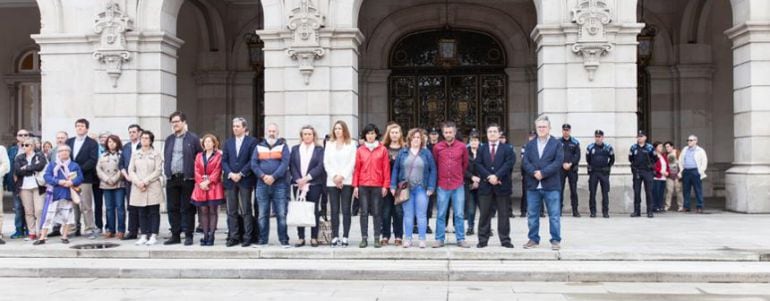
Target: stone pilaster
x: 748, y: 181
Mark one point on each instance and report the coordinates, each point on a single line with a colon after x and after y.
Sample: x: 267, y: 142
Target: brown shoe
x: 120, y: 235
x: 108, y: 235
x: 384, y: 242
x: 398, y: 242
x: 531, y: 245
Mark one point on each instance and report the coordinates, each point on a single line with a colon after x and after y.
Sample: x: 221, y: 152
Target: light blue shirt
x: 689, y: 158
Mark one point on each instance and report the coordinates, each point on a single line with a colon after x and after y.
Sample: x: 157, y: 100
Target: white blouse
x: 339, y: 162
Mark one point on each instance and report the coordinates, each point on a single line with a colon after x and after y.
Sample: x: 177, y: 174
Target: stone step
x: 404, y: 270
x: 129, y: 251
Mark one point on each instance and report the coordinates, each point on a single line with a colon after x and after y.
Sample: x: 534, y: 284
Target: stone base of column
x: 748, y: 189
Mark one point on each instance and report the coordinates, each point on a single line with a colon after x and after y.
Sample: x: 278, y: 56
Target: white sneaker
x: 142, y: 240
x: 153, y: 240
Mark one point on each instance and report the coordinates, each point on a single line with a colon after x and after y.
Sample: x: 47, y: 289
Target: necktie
x: 493, y: 152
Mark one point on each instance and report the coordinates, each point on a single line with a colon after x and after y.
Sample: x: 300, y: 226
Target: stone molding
x: 112, y: 25
x: 591, y: 17
x: 305, y: 22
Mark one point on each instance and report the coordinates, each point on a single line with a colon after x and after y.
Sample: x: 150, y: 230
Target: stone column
x: 748, y: 181
x: 374, y: 100
x: 587, y: 77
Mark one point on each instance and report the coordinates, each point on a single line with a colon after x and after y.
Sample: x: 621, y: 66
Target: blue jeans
x: 691, y: 180
x: 535, y: 200
x: 18, y: 209
x: 416, y: 205
x: 658, y: 192
x: 457, y: 198
x: 116, y: 211
x: 274, y: 196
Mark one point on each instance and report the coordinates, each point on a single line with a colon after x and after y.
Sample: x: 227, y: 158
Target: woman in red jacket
x: 208, y: 193
x: 662, y: 170
x: 371, y: 179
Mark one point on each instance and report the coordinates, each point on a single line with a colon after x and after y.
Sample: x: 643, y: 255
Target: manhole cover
x: 97, y: 246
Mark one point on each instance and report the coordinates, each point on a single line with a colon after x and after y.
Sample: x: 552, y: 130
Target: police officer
x: 600, y: 157
x: 569, y: 169
x: 642, y: 157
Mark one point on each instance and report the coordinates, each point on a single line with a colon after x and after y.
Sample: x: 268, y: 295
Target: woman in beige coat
x: 111, y: 182
x: 145, y: 171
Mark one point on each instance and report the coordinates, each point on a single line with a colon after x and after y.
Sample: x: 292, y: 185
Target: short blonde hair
x: 213, y: 139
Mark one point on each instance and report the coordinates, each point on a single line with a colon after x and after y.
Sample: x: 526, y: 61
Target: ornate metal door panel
x: 425, y: 91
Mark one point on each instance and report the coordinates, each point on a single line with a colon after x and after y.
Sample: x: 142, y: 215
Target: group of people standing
x: 394, y: 176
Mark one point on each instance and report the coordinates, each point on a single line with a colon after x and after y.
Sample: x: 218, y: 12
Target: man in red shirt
x: 451, y: 162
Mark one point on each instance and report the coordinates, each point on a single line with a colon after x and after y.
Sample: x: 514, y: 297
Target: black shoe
x: 636, y: 214
x: 65, y: 241
x: 301, y: 244
x: 470, y: 232
x: 313, y: 243
x: 593, y: 214
x: 2, y: 242
x: 246, y: 244
x: 650, y: 215
x: 130, y: 236
x: 232, y: 242
x: 606, y: 215
x: 575, y: 213
x: 199, y: 230
x: 204, y: 241
x: 210, y: 241
x: 523, y: 214
x: 173, y: 240
x: 429, y: 231
x: 481, y: 245
x: 188, y: 240
x: 38, y: 242
x: 77, y: 233
x: 507, y: 245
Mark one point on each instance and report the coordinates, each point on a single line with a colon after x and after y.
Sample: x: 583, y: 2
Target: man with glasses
x: 692, y: 170
x: 134, y: 132
x: 85, y: 152
x: 18, y: 209
x: 180, y: 150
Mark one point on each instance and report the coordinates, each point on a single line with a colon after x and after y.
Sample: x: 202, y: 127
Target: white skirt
x: 60, y: 212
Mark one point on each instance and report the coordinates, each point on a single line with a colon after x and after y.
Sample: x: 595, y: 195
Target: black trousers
x: 639, y: 178
x: 392, y: 218
x: 240, y: 214
x: 133, y: 213
x: 181, y: 213
x: 149, y: 219
x: 487, y: 205
x: 371, y: 202
x: 314, y: 196
x: 98, y: 206
x: 340, y: 199
x: 595, y: 178
x: 570, y: 177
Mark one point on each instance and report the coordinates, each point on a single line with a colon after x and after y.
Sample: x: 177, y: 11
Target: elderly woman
x: 62, y: 178
x: 145, y: 170
x: 26, y: 167
x: 111, y: 183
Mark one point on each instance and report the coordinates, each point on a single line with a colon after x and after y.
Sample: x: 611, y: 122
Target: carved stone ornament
x: 591, y: 16
x: 305, y: 21
x: 112, y: 25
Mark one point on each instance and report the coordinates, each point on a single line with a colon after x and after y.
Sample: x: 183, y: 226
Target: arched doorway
x: 448, y: 74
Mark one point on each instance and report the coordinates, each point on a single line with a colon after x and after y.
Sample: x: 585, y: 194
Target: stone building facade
x: 671, y: 67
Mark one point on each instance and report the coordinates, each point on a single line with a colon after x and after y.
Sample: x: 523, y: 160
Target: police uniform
x: 600, y: 158
x: 642, y: 158
x: 571, y: 155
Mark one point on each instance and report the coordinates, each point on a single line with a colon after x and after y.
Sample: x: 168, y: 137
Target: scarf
x: 61, y: 166
x: 372, y: 146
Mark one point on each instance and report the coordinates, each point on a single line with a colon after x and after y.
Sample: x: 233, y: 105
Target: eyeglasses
x: 26, y: 145
x: 690, y: 140
x: 22, y: 135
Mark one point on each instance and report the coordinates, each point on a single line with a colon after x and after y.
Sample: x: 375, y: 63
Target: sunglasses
x: 26, y: 145
x: 22, y: 135
x: 690, y: 140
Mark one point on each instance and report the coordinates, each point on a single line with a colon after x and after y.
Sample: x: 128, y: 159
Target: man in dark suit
x: 179, y: 153
x: 494, y: 163
x: 85, y: 152
x: 134, y: 132
x: 239, y: 184
x: 542, y: 164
